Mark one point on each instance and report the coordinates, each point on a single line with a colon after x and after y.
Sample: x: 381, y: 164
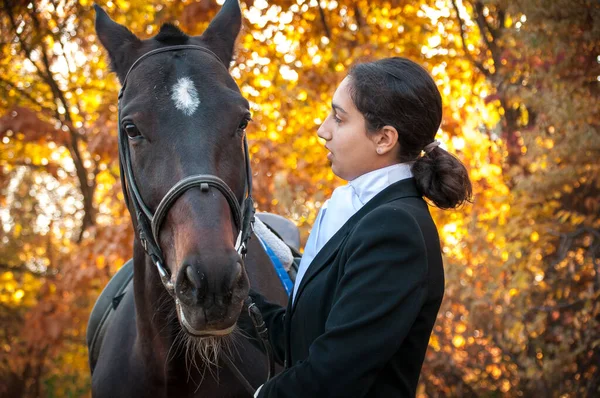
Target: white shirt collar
x: 345, y: 202
x: 370, y: 184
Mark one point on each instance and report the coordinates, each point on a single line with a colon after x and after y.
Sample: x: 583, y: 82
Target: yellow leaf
x: 7, y: 276
x: 17, y: 230
x: 534, y: 236
x: 100, y: 262
x: 18, y: 295
x: 458, y: 341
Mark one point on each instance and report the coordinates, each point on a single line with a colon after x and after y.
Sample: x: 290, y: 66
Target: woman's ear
x: 385, y: 139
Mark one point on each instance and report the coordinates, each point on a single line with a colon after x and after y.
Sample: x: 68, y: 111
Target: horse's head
x: 182, y: 115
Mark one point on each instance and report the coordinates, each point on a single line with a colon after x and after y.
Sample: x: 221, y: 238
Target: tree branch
x: 358, y: 16
x: 468, y: 54
x: 485, y: 28
x: 324, y: 21
x: 501, y: 18
x: 22, y: 268
x: 48, y: 111
x: 50, y: 78
x: 482, y: 23
x: 577, y: 232
x: 24, y: 47
x: 559, y: 306
x: 33, y: 166
x: 87, y: 187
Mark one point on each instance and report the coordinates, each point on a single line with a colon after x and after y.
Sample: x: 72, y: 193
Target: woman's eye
x: 131, y: 130
x: 335, y: 117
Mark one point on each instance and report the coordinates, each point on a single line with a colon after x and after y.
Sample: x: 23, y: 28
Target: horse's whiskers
x: 165, y: 303
x: 205, y: 349
x: 178, y: 341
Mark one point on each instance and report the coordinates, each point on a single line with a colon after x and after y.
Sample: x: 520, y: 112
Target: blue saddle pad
x: 285, y: 279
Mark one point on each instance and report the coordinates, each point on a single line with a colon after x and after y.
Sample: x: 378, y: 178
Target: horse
x: 187, y: 184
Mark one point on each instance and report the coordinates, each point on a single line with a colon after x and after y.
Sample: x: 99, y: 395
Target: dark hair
x: 398, y: 92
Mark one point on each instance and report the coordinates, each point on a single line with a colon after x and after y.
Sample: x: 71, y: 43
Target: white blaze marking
x: 185, y: 96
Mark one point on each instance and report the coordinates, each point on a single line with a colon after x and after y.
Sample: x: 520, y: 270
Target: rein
x: 149, y: 223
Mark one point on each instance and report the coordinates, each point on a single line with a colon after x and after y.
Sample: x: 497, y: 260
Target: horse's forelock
x: 171, y: 34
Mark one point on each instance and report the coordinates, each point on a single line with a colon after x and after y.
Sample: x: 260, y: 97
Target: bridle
x: 148, y: 224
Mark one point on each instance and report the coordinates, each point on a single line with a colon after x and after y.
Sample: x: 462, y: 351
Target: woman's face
x: 352, y: 152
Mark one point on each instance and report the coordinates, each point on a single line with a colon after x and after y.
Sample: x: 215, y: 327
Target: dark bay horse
x: 186, y: 180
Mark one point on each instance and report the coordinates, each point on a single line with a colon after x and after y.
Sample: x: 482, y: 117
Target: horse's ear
x: 223, y: 30
x: 118, y: 41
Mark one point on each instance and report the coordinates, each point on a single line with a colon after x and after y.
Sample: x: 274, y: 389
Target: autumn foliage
x: 521, y: 87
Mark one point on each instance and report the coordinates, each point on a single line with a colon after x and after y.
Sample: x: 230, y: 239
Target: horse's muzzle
x: 209, y: 302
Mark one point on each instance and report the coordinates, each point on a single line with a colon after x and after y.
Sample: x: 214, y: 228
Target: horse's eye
x: 243, y: 124
x: 131, y: 130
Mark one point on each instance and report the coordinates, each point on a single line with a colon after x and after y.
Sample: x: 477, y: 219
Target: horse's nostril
x: 191, y: 285
x: 194, y: 277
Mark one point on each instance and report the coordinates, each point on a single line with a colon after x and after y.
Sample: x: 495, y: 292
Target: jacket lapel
x: 400, y: 189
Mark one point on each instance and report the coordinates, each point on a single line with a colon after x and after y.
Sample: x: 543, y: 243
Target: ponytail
x: 400, y: 93
x: 442, y: 179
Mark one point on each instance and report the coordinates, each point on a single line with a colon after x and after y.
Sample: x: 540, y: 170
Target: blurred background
x: 520, y: 81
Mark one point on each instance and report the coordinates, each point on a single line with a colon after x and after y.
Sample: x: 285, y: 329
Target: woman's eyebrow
x: 338, y: 108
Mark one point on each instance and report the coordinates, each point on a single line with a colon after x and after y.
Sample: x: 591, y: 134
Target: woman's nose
x: 323, y: 131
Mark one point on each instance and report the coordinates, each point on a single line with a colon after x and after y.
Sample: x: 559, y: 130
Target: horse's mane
x: 171, y: 34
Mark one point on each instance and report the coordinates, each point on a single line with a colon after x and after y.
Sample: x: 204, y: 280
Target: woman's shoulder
x: 399, y: 215
x: 402, y: 212
x: 400, y: 206
x: 397, y: 209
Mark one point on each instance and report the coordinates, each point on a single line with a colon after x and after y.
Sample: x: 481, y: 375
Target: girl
x: 371, y: 279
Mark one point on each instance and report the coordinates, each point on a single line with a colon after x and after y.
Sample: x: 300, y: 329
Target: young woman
x: 371, y: 279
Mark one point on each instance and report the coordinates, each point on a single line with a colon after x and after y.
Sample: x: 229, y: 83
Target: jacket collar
x: 368, y: 185
x: 401, y: 189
